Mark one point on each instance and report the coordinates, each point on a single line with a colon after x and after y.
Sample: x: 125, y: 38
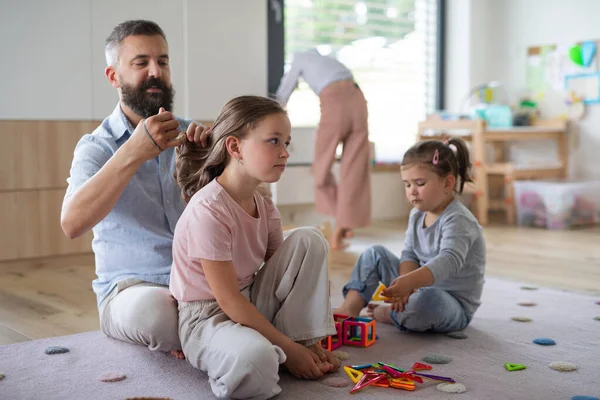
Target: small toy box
x: 557, y: 204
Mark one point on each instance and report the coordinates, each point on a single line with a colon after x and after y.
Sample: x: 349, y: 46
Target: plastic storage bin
x: 557, y: 204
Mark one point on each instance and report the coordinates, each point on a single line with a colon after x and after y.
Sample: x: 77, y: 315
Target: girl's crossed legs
x: 292, y: 291
x: 429, y: 308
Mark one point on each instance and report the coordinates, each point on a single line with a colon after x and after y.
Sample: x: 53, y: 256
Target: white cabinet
x: 46, y: 60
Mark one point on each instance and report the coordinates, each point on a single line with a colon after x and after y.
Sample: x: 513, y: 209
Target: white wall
x: 53, y: 54
x: 227, y: 53
x: 488, y: 40
x: 45, y: 71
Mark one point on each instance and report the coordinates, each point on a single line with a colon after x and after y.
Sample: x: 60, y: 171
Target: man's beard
x: 145, y: 104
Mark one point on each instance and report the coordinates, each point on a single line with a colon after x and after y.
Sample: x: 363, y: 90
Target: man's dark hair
x: 128, y: 28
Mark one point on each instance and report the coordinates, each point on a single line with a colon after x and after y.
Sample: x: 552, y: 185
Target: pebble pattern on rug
x: 452, y: 387
x: 336, y: 382
x: 527, y: 304
x: 2, y: 376
x: 598, y: 302
x: 522, y: 319
x: 529, y: 288
x: 597, y: 318
x: 342, y: 355
x: 563, y: 366
x: 457, y: 335
x: 111, y: 377
x: 437, y: 359
x: 544, y: 341
x: 56, y: 350
x: 149, y: 398
x: 584, y: 398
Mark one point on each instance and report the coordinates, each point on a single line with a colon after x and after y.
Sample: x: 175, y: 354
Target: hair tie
x: 436, y: 157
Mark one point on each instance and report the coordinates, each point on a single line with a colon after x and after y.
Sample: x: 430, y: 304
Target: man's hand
x: 155, y: 134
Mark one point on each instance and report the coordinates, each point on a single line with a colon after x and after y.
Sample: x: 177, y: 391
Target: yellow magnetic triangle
x: 354, y: 374
x: 377, y: 295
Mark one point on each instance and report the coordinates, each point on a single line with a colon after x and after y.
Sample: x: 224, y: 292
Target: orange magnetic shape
x: 354, y: 374
x: 477, y: 163
x: 402, y: 383
x: 421, y: 367
x: 507, y: 179
x: 508, y: 200
x: 326, y: 343
x: 377, y: 295
x: 362, y: 328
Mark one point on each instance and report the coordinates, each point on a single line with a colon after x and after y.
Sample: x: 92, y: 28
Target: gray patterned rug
x: 477, y: 362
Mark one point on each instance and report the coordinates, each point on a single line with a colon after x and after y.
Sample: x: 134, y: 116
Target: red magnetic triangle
x: 421, y: 367
x: 366, y: 380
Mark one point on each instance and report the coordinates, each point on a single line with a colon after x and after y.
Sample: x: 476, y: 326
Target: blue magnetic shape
x: 584, y: 398
x: 544, y: 341
x: 588, y: 50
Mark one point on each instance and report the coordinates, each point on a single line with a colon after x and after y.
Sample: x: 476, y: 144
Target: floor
x: 53, y: 297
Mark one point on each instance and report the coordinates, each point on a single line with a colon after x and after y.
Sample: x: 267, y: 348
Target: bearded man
x: 121, y: 186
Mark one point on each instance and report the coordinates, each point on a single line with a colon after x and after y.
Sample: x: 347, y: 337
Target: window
x: 392, y: 49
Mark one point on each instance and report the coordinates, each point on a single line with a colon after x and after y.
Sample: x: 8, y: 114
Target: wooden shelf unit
x: 480, y: 137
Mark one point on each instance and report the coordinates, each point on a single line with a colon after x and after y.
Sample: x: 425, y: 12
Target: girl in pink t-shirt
x: 238, y: 321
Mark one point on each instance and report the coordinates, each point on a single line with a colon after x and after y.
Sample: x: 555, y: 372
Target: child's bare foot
x: 379, y: 313
x: 336, y: 242
x: 353, y: 304
x: 329, y: 362
x: 178, y: 354
x: 346, y: 311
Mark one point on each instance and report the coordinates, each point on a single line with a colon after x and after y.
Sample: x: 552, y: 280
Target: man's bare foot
x: 328, y: 360
x: 178, y: 354
x: 379, y: 313
x: 336, y: 242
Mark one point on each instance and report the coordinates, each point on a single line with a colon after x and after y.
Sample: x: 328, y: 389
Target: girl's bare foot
x: 328, y: 360
x: 379, y: 313
x: 178, y: 354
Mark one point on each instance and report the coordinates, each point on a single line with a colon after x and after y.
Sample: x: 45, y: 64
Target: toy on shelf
x: 351, y: 331
x: 386, y: 375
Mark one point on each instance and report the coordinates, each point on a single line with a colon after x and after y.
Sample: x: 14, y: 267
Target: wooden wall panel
x: 38, y: 154
x: 35, y: 159
x: 30, y: 222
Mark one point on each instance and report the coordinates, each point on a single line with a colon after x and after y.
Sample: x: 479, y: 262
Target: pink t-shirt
x: 214, y: 227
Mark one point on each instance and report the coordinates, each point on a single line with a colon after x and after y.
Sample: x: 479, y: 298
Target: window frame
x: 276, y: 48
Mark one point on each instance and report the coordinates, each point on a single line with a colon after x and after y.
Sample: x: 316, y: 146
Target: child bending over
x: 436, y: 283
x: 238, y: 322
